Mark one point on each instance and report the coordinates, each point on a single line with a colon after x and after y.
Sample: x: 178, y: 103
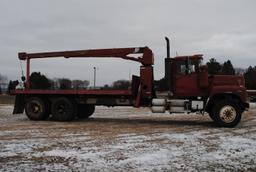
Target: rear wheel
x: 226, y: 113
x: 63, y: 109
x: 36, y: 109
x: 85, y: 111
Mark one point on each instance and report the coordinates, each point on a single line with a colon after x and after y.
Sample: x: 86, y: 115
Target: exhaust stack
x: 168, y: 64
x: 167, y: 47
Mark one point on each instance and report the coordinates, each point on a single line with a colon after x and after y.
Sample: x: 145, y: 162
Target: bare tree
x: 39, y: 81
x: 3, y: 82
x: 79, y: 84
x: 121, y: 84
x: 3, y: 79
x: 65, y: 83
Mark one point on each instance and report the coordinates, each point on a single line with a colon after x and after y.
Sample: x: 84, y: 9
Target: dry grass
x: 6, y: 99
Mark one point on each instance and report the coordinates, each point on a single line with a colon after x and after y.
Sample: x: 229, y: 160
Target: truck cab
x: 192, y: 89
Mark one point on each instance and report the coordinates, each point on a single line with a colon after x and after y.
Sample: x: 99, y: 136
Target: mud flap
x: 19, y: 104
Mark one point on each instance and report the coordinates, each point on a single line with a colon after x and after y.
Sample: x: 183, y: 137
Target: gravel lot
x: 126, y: 139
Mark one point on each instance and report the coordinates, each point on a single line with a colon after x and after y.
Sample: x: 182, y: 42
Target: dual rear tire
x: 85, y: 111
x: 37, y: 109
x: 62, y: 109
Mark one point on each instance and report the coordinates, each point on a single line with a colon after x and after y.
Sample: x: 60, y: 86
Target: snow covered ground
x: 126, y: 139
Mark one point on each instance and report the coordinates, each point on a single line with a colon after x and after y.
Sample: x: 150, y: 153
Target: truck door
x: 186, y: 77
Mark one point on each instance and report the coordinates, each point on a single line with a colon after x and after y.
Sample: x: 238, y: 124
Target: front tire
x: 212, y: 116
x: 36, y: 109
x: 63, y: 109
x: 226, y: 113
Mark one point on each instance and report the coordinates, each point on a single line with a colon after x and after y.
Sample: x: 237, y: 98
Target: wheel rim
x: 61, y: 109
x: 35, y: 108
x: 228, y: 114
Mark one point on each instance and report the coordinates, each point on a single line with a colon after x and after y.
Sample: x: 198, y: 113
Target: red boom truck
x: 189, y: 88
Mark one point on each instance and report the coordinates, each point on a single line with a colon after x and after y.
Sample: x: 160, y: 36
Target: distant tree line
x: 40, y: 81
x: 250, y: 78
x: 227, y: 68
x: 118, y: 85
x: 3, y: 80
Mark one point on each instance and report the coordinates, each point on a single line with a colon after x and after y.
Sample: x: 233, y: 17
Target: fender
x: 225, y: 92
x: 236, y: 91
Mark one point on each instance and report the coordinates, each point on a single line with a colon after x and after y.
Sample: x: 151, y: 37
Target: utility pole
x: 130, y: 74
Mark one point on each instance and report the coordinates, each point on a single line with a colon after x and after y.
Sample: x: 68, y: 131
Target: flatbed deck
x: 75, y: 92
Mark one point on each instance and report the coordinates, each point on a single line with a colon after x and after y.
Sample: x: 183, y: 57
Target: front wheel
x: 212, y: 116
x: 226, y: 113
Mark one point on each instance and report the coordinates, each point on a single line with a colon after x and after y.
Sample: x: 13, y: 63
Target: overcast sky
x: 223, y: 29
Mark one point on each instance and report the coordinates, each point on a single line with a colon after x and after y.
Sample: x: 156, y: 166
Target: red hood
x: 221, y: 80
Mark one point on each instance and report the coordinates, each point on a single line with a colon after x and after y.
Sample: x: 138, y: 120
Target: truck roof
x: 195, y: 56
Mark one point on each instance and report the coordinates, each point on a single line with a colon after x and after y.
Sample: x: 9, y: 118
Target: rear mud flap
x: 19, y: 104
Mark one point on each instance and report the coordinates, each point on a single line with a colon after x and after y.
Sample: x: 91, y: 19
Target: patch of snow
x: 71, y: 146
x: 252, y: 106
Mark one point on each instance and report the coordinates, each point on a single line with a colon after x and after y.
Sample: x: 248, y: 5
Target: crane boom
x: 147, y: 58
x: 124, y: 53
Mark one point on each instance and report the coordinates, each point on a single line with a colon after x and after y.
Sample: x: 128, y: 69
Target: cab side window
x: 181, y: 67
x: 186, y: 67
